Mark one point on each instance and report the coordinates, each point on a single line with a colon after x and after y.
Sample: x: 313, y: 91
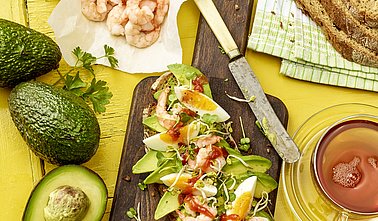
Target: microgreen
x: 96, y: 92
x: 209, y: 118
x: 134, y: 214
x: 142, y: 186
x: 245, y: 142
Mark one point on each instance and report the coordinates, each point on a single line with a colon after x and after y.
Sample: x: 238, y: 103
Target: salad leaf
x: 186, y: 73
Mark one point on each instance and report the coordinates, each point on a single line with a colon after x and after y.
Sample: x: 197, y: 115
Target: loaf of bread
x: 338, y: 11
x: 365, y: 11
x: 343, y: 42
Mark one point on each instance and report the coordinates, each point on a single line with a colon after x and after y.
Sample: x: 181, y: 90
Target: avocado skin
x: 57, y: 125
x: 25, y: 53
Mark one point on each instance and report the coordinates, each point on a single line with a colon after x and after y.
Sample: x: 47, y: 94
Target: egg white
x: 218, y: 110
x: 182, y: 182
x: 247, y: 187
x: 157, y: 142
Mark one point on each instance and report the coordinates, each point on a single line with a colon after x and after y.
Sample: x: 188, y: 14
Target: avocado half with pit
x: 68, y: 193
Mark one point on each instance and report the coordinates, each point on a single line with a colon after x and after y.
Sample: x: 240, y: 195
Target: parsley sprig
x: 96, y: 92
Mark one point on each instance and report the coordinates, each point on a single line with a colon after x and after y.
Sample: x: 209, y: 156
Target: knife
x: 249, y: 85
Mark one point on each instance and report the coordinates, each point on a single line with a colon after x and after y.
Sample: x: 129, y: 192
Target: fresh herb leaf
x: 109, y: 54
x: 84, y: 59
x: 96, y: 92
x: 72, y: 83
x: 209, y: 118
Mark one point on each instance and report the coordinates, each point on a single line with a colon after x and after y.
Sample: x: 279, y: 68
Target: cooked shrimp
x: 161, y: 10
x: 165, y: 119
x: 161, y: 81
x: 207, y: 140
x: 190, y: 214
x: 115, y: 21
x: 102, y: 6
x: 202, y: 161
x: 139, y: 14
x: 89, y: 10
x: 135, y: 36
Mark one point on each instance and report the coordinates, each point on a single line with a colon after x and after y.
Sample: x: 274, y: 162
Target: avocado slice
x: 168, y: 203
x: 25, y: 53
x: 255, y: 164
x: 74, y: 176
x: 57, y: 125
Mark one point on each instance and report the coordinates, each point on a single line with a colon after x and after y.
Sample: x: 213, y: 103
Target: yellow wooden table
x: 20, y: 169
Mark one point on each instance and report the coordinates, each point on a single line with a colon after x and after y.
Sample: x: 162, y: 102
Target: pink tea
x: 347, y: 166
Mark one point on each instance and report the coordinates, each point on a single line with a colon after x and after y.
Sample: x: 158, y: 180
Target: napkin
x: 72, y: 29
x: 282, y: 30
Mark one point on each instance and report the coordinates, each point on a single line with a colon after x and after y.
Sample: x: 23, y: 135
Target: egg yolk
x: 198, y: 100
x: 182, y: 182
x: 180, y: 135
x: 242, y: 205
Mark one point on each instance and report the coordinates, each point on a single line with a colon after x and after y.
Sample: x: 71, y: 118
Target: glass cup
x: 345, y: 168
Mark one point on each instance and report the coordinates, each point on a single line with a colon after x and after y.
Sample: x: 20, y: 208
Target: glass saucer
x: 300, y: 189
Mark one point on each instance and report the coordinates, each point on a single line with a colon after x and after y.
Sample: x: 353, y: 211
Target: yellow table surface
x: 20, y: 169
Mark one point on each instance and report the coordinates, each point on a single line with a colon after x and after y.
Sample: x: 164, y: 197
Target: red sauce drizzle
x: 189, y: 112
x: 174, y: 132
x: 214, y: 154
x: 198, y: 83
x: 193, y: 205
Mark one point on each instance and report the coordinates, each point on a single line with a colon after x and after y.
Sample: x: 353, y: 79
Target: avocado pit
x: 66, y: 203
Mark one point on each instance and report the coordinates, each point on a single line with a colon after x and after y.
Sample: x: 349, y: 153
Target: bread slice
x: 365, y: 11
x: 346, y: 46
x: 344, y: 20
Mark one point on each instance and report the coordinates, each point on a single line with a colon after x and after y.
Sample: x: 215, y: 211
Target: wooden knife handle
x: 220, y: 30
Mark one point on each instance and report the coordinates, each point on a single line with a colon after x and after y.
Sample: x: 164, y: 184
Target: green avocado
x: 67, y: 193
x: 25, y: 53
x: 57, y: 125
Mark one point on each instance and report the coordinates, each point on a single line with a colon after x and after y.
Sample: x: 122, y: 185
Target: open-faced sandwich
x: 191, y: 152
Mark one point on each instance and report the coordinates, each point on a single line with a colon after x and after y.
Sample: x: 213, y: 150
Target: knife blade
x: 249, y: 85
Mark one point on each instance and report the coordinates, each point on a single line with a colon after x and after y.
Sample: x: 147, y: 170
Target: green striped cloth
x: 282, y: 30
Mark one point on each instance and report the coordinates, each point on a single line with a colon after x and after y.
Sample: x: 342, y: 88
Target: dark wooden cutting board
x: 209, y: 59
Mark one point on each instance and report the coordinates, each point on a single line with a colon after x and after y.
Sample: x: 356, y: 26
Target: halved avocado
x: 82, y: 180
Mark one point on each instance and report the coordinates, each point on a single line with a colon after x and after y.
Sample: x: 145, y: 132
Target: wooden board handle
x: 216, y: 23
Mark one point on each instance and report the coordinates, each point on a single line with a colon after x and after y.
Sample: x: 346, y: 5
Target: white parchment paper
x: 72, y: 29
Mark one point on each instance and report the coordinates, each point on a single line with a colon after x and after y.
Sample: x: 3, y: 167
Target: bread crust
x: 365, y: 11
x: 346, y: 46
x: 343, y: 19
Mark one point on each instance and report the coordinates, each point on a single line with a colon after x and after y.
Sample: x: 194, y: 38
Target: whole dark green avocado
x: 25, y: 53
x: 57, y: 125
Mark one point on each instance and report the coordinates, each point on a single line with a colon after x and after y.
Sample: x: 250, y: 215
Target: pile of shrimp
x: 138, y: 20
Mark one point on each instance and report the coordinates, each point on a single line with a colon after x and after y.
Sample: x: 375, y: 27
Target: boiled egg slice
x: 200, y: 103
x: 162, y: 141
x: 180, y: 181
x: 244, y: 197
